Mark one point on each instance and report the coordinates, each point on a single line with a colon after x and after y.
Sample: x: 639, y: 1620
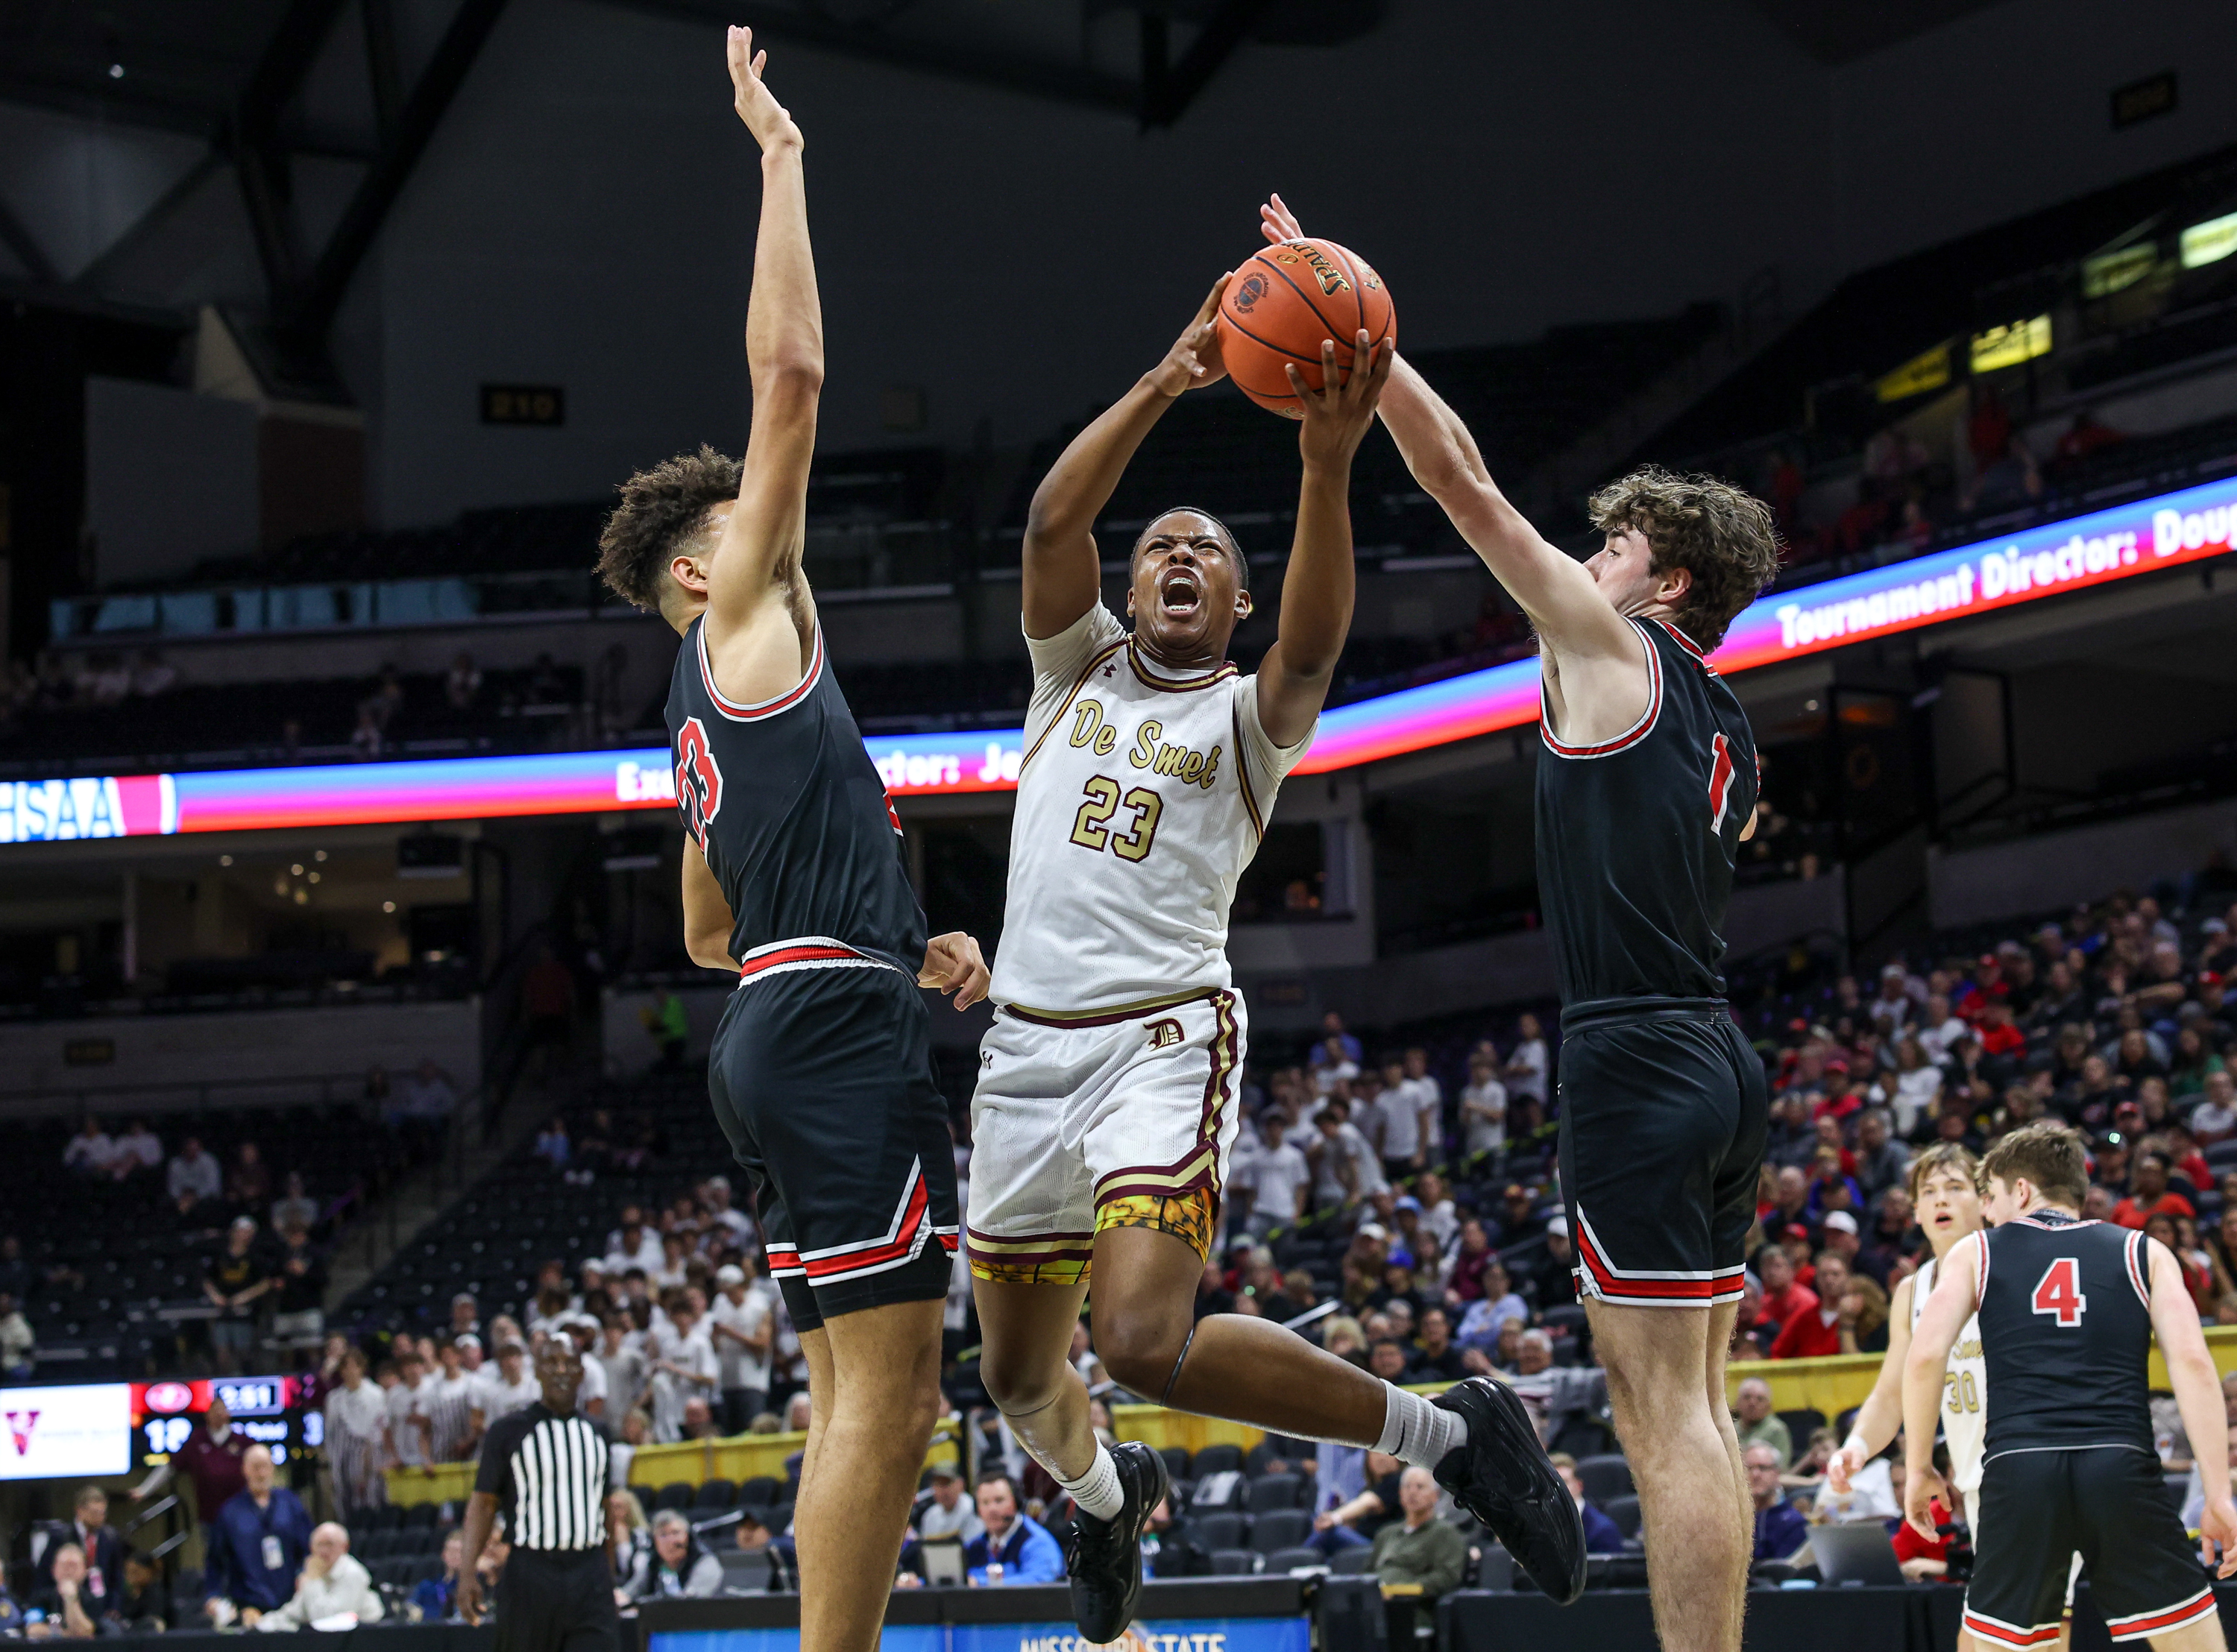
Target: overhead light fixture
x: 116, y: 71
x: 2209, y: 242
x: 388, y: 906
x: 2010, y: 346
x: 225, y: 861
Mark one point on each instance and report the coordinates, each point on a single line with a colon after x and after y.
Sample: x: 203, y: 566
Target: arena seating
x: 113, y: 1272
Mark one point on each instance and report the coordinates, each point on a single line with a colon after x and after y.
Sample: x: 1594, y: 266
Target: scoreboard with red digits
x: 268, y: 1409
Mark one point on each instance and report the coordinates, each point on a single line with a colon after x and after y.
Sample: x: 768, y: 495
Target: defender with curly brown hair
x: 795, y: 884
x: 1646, y: 786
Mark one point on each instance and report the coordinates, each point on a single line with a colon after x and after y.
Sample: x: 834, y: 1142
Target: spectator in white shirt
x: 1405, y: 1123
x: 1528, y: 1065
x: 684, y: 1369
x: 333, y: 1583
x: 1893, y: 1005
x: 1280, y: 1179
x: 1345, y: 1166
x: 736, y: 1226
x: 1483, y: 1110
x: 1938, y: 1030
x: 504, y: 1390
x: 2214, y: 1118
x: 632, y: 1245
x: 90, y: 1152
x: 743, y: 1332
x: 1331, y: 1066
x: 624, y: 1365
x: 407, y: 1423
x: 194, y: 1177
x: 1438, y: 1216
x: 139, y: 1148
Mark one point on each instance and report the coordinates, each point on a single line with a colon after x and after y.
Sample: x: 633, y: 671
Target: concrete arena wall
x: 174, y: 1061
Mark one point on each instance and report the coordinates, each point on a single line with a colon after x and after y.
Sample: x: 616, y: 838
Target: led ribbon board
x: 2141, y: 537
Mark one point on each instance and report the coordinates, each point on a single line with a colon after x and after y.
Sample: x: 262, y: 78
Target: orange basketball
x: 1282, y: 302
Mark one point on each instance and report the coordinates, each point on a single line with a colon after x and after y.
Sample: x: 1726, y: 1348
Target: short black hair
x: 1242, y: 562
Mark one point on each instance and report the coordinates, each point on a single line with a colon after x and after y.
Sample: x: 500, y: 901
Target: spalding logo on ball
x: 1280, y: 305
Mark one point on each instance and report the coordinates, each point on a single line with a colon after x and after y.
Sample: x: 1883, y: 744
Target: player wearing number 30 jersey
x: 2067, y: 1311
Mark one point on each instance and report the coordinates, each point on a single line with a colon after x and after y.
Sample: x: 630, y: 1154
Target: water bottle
x: 994, y: 1574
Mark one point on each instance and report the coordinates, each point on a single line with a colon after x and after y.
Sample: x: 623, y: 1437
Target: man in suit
x: 104, y: 1550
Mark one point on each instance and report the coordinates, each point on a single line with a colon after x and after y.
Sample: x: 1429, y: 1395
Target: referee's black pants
x: 557, y: 1600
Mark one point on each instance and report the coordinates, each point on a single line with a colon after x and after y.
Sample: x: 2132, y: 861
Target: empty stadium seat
x: 1216, y: 1459
x: 1350, y: 1563
x: 1624, y: 1512
x: 1218, y: 1531
x: 716, y: 1494
x: 1280, y: 1529
x: 1275, y: 1492
x: 1177, y: 1461
x: 1282, y: 1560
x: 1604, y: 1476
x: 676, y: 1494
x: 1233, y: 1562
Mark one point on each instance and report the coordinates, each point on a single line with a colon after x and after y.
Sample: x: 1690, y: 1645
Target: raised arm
x: 1063, y: 571
x: 784, y: 353
x: 1956, y: 1293
x: 1554, y: 589
x: 1318, y: 587
x: 2197, y: 1384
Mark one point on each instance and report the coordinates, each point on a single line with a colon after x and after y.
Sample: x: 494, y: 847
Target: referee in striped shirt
x: 545, y: 1469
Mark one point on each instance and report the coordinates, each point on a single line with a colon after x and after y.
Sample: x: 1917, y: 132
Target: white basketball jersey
x: 1965, y: 1391
x: 1141, y: 799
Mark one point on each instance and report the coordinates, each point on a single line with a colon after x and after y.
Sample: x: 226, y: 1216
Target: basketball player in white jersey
x: 1104, y: 1110
x: 1945, y: 1195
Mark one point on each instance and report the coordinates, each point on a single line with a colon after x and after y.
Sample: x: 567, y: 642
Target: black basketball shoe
x: 1503, y: 1477
x: 1104, y: 1557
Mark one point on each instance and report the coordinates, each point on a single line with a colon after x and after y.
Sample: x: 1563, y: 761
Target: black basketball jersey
x: 1637, y: 835
x: 2066, y: 1330
x: 789, y: 809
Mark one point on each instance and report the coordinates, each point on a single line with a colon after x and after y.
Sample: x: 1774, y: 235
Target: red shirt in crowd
x: 2129, y: 1213
x: 2001, y: 1038
x: 214, y: 1468
x: 1806, y: 1335
x: 1909, y: 1545
x: 1779, y: 1307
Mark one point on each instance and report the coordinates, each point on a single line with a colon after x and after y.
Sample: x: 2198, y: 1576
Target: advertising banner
x: 2168, y: 531
x: 65, y: 1434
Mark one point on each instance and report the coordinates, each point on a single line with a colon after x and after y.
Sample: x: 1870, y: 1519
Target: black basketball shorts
x: 557, y: 1601
x: 1664, y: 1114
x: 2107, y: 1503
x: 822, y: 1077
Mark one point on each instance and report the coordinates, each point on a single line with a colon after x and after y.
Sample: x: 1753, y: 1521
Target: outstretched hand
x: 1918, y: 1494
x: 1194, y: 360
x: 1336, y: 416
x: 769, y: 121
x: 1276, y: 223
x: 953, y: 964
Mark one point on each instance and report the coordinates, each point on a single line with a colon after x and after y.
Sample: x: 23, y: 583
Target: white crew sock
x: 1097, y: 1491
x: 1417, y: 1433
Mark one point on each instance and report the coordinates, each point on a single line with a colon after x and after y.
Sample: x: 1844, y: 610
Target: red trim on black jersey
x: 1630, y: 736
x: 1720, y: 780
x: 760, y: 708
x: 2196, y: 1609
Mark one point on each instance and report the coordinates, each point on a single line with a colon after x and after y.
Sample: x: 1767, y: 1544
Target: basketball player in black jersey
x: 1645, y: 788
x: 2068, y: 1309
x: 793, y: 881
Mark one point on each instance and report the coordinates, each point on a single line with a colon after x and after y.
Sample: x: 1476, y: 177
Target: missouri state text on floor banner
x: 1171, y: 1635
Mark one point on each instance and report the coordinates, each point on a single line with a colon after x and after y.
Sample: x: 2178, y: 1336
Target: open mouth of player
x: 1179, y: 594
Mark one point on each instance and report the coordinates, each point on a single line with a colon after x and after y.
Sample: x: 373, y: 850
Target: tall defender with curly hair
x: 1645, y: 788
x: 794, y: 882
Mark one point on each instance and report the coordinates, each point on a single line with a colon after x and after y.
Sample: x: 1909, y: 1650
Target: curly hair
x: 1720, y: 534
x: 661, y: 509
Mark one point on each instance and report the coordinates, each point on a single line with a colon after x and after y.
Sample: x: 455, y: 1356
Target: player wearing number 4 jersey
x: 2067, y: 1310
x: 1945, y: 1192
x: 794, y: 882
x: 1105, y: 1105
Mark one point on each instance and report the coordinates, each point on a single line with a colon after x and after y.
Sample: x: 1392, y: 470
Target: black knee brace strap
x: 1187, y: 1342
